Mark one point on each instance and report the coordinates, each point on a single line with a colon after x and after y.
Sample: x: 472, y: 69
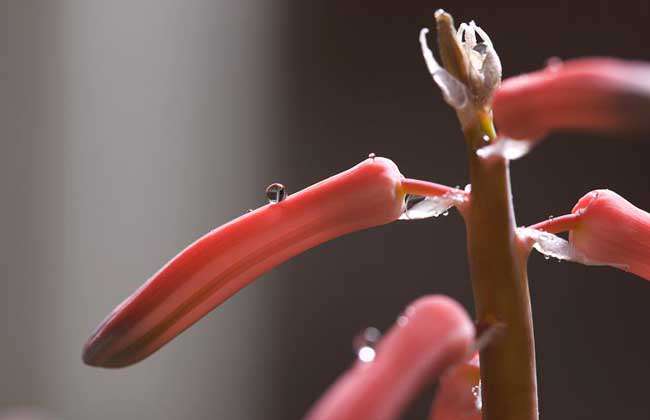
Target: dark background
x: 359, y: 85
x: 114, y: 164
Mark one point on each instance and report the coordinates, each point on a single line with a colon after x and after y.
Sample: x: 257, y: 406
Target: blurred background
x: 129, y: 128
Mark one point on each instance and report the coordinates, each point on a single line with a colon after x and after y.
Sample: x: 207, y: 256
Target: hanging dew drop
x: 364, y: 344
x: 275, y: 193
x: 366, y: 354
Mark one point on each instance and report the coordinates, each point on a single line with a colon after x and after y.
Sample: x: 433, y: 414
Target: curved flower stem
x: 500, y: 284
x: 559, y: 224
x: 427, y: 189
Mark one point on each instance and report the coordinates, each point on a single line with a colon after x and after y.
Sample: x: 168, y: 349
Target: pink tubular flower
x: 607, y: 228
x: 596, y: 94
x: 227, y: 259
x: 433, y: 335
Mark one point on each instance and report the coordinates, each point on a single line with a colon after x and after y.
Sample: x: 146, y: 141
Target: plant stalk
x: 500, y: 285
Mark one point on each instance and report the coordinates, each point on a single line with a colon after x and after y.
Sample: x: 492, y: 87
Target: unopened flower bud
x: 472, y: 61
x: 612, y: 229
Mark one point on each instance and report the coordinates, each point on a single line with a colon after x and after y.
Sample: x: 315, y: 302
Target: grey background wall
x: 130, y: 128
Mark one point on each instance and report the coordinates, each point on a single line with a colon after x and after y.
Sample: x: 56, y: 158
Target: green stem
x: 500, y: 284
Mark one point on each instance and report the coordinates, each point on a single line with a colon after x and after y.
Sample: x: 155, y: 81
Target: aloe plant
x: 434, y: 335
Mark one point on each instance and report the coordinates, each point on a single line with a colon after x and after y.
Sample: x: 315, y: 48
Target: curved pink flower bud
x: 606, y: 228
x: 227, y: 259
x: 595, y: 94
x: 433, y: 335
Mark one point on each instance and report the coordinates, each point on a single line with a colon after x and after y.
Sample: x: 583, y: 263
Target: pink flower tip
x: 612, y: 230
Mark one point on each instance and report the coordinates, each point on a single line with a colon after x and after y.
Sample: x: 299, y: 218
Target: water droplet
x: 372, y: 156
x: 553, y: 64
x: 275, y: 193
x: 551, y: 217
x: 364, y: 344
x: 366, y: 354
x: 402, y: 320
x: 547, y: 257
x: 446, y: 213
x: 486, y: 138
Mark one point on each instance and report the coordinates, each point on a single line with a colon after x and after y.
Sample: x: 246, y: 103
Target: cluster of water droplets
x: 364, y: 344
x: 553, y: 246
x: 420, y: 207
x: 476, y: 393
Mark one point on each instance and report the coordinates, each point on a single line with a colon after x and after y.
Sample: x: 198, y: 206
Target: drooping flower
x: 607, y: 229
x: 227, y: 259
